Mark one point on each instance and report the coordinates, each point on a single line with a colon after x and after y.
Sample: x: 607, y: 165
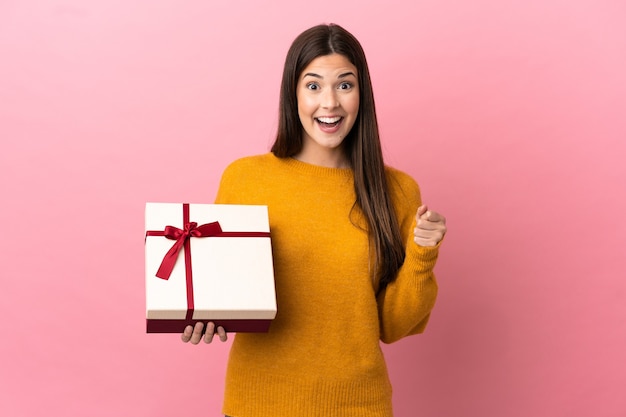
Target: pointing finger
x: 435, y: 217
x: 427, y: 225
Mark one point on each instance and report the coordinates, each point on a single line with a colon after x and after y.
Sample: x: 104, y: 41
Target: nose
x: 329, y: 99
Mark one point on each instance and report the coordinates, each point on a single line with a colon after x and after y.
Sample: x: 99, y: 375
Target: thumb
x: 421, y: 210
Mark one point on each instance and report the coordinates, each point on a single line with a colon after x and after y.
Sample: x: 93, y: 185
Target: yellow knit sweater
x: 322, y: 355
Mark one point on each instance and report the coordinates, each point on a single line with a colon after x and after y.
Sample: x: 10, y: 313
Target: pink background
x: 510, y: 114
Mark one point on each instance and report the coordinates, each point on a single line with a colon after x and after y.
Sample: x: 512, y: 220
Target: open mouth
x: 329, y: 122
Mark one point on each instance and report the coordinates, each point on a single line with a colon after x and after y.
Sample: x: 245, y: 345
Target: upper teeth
x: 329, y: 119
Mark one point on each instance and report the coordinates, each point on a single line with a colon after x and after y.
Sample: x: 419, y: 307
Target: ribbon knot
x: 190, y: 229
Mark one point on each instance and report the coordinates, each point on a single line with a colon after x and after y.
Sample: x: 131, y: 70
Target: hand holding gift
x: 194, y: 334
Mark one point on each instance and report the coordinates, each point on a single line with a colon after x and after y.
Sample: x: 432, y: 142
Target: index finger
x: 435, y: 217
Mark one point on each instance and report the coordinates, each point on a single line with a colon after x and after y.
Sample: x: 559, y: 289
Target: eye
x: 345, y: 86
x: 312, y: 86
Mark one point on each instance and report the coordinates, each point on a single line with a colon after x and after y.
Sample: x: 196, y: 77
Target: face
x: 328, y: 104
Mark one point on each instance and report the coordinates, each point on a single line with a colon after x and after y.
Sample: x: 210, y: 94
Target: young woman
x: 354, y: 248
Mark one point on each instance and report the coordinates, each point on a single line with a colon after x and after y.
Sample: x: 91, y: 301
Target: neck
x: 332, y: 158
x: 324, y: 162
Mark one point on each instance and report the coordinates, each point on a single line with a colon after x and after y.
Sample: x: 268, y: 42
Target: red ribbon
x: 191, y: 229
x: 182, y: 237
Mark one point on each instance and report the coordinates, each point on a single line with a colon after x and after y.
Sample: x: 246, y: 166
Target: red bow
x: 180, y: 236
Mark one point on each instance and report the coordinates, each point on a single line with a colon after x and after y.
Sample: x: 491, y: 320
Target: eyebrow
x: 344, y: 75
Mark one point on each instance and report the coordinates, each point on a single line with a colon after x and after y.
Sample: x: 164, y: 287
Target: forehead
x: 329, y: 66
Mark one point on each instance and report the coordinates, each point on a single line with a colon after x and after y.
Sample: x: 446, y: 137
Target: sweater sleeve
x: 404, y: 306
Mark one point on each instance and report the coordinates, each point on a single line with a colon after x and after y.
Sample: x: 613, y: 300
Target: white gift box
x: 226, y: 278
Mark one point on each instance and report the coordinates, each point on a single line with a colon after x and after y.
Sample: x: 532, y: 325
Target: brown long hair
x: 362, y: 145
